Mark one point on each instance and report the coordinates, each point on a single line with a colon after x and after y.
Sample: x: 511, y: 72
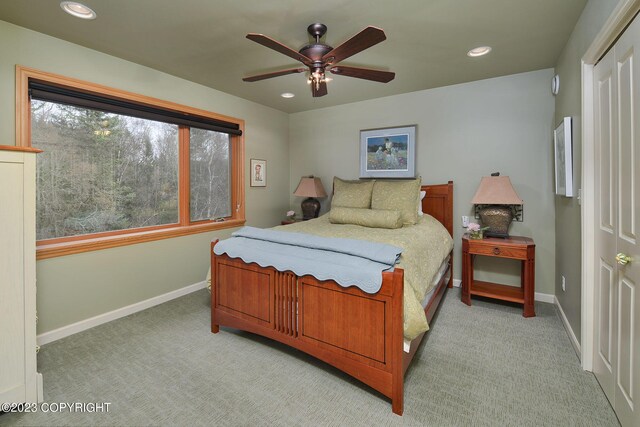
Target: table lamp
x: 497, y: 203
x: 310, y: 187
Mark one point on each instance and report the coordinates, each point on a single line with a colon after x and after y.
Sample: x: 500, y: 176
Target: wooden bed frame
x: 358, y: 333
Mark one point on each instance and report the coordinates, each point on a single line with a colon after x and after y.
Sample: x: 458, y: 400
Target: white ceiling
x: 204, y: 40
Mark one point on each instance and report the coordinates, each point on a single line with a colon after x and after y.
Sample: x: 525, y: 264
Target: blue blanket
x: 348, y: 262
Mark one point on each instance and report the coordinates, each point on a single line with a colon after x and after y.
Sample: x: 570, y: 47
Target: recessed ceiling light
x: 287, y: 95
x: 78, y: 10
x: 479, y: 51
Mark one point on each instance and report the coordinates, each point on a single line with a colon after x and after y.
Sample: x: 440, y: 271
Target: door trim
x: 621, y: 16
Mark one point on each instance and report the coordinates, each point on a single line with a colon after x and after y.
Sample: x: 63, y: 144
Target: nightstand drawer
x: 498, y: 251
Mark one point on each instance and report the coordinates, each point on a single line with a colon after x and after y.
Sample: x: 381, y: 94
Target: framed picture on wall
x: 388, y: 153
x: 563, y: 158
x: 258, y: 173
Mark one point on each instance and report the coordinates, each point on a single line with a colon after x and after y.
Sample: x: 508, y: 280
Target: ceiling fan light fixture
x: 318, y: 77
x: 78, y: 10
x: 287, y: 95
x: 479, y: 51
x: 318, y: 58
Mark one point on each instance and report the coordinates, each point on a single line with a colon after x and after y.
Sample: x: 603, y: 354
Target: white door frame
x: 621, y: 16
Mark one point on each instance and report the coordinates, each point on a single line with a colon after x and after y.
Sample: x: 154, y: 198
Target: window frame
x: 61, y: 246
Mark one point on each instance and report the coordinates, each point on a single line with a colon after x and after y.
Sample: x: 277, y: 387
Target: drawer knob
x: 496, y: 251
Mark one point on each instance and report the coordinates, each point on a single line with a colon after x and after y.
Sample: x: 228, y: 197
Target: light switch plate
x: 465, y: 221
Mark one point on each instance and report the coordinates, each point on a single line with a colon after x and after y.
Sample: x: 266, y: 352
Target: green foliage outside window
x: 101, y: 171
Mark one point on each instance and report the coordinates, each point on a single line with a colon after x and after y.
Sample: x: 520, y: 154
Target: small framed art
x: 563, y: 158
x: 258, y: 173
x: 388, y: 153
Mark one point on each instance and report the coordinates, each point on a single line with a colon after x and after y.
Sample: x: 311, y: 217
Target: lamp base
x: 498, y: 219
x: 497, y: 235
x: 310, y: 208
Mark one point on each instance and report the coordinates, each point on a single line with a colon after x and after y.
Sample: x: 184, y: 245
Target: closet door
x: 605, y: 98
x: 617, y: 232
x: 627, y: 365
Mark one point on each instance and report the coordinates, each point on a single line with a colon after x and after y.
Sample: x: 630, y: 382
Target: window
x: 209, y: 175
x: 118, y: 168
x: 102, y: 172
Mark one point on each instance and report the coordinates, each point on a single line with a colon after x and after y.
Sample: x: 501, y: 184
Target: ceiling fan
x: 319, y: 58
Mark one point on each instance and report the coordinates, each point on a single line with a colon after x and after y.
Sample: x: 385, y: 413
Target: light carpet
x: 480, y: 365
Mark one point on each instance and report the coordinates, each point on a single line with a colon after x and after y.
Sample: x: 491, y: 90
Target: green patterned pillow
x: 400, y: 195
x: 375, y: 218
x: 351, y: 194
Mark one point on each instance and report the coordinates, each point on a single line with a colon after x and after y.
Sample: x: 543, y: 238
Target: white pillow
x: 422, y: 194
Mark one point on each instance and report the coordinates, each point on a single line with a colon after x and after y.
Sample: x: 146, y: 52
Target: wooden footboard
x: 358, y: 333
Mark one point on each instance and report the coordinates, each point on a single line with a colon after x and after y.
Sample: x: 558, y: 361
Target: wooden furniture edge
x: 22, y: 149
x: 397, y: 339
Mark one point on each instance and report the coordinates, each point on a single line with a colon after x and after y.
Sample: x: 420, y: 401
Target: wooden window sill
x: 52, y: 250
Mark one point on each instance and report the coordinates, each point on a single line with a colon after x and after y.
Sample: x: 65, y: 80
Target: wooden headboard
x: 438, y: 203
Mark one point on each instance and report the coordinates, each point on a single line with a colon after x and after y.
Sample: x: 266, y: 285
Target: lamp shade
x: 496, y: 190
x: 310, y: 186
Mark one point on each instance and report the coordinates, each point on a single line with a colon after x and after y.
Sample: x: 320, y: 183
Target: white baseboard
x: 83, y: 325
x: 548, y: 298
x: 40, y: 387
x: 539, y: 296
x: 567, y: 326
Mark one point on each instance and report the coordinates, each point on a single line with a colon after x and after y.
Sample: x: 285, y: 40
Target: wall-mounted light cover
x: 287, y: 95
x: 78, y: 10
x: 479, y: 51
x: 555, y: 84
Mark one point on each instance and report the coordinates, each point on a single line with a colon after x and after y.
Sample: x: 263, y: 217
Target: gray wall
x: 76, y: 287
x: 464, y: 132
x: 567, y: 210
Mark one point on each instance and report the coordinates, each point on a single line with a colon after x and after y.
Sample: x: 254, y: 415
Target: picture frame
x: 258, y: 173
x: 563, y: 158
x: 388, y: 152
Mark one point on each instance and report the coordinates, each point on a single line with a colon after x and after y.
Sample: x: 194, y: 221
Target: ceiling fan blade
x: 274, y: 74
x: 278, y: 47
x: 363, y: 73
x: 366, y: 38
x: 321, y: 91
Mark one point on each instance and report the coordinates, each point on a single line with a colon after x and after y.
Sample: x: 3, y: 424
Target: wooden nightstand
x: 518, y: 248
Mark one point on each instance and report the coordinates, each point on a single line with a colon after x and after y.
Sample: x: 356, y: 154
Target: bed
x: 359, y: 333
